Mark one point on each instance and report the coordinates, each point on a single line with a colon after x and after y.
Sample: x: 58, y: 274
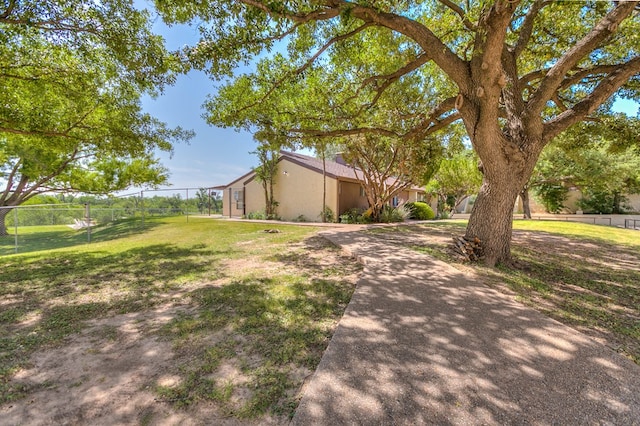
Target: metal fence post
x: 15, y: 228
x: 142, y: 205
x: 87, y: 217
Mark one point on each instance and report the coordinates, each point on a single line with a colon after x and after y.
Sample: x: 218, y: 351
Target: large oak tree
x: 517, y: 73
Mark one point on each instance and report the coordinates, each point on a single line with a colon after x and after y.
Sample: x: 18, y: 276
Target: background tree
x: 387, y: 166
x: 71, y: 78
x: 268, y: 153
x: 457, y: 178
x: 206, y: 200
x: 324, y: 149
x: 603, y: 164
x: 517, y: 73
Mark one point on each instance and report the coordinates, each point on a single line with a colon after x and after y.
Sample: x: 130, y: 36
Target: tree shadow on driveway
x: 422, y: 343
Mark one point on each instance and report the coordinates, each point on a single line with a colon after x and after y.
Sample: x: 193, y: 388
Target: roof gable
x: 333, y: 169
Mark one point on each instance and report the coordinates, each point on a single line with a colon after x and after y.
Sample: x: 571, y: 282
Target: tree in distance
x: 72, y: 74
x: 516, y: 73
x: 457, y: 178
x: 600, y: 158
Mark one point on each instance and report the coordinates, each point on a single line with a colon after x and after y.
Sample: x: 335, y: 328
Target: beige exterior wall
x: 571, y: 203
x: 634, y: 202
x: 298, y: 191
x: 230, y: 207
x: 409, y: 196
x: 254, y: 197
x: 413, y: 196
x: 350, y: 197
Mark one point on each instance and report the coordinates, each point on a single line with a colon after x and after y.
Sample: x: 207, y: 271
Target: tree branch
x: 343, y: 132
x: 12, y: 174
x: 317, y: 15
x: 306, y: 65
x: 607, y: 87
x: 460, y: 12
x: 555, y: 76
x: 526, y: 29
x: 432, y: 123
x: 63, y: 165
x: 9, y: 9
x: 32, y: 132
x: 389, y: 80
x: 447, y: 60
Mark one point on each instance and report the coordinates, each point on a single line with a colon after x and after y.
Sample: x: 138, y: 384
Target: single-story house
x: 298, y: 189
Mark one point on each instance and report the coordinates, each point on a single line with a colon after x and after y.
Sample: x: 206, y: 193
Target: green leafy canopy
x: 72, y: 74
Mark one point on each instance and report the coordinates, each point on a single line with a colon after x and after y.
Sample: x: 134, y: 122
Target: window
x: 395, y: 201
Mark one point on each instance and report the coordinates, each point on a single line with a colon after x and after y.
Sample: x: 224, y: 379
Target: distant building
x: 298, y: 190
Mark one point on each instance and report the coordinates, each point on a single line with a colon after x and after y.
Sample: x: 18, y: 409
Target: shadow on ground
x: 422, y: 343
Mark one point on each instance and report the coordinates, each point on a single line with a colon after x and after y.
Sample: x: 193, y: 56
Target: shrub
x: 329, y: 215
x: 301, y: 218
x: 259, y: 215
x: 421, y: 211
x: 602, y: 202
x: 552, y: 196
x: 398, y: 214
x: 354, y: 215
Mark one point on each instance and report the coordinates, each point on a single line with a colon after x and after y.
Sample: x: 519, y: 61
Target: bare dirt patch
x: 109, y: 372
x: 101, y: 375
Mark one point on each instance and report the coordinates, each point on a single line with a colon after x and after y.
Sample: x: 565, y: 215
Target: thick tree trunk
x: 526, y: 208
x: 491, y: 220
x: 3, y: 225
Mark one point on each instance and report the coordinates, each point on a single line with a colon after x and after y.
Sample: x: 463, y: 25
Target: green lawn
x: 267, y: 303
x: 270, y: 299
x: 587, y: 276
x: 51, y: 237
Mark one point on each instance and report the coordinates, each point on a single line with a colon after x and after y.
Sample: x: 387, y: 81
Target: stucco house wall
x: 634, y: 202
x: 574, y: 195
x: 299, y: 192
x: 298, y: 189
x: 254, y: 195
x: 232, y: 192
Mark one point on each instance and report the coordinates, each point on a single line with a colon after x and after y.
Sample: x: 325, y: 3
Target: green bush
x: 552, y: 196
x: 261, y: 215
x: 602, y: 202
x: 420, y: 211
x: 329, y: 216
x: 355, y: 215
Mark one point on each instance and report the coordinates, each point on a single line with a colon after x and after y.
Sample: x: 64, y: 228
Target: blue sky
x: 214, y: 156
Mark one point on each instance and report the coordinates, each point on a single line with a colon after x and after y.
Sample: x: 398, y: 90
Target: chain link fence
x: 35, y: 227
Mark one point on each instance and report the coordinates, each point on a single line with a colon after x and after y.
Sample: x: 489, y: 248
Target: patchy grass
x: 259, y: 307
x: 587, y: 276
x: 51, y: 237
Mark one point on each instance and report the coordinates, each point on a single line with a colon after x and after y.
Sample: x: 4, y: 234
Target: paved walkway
x: 421, y: 344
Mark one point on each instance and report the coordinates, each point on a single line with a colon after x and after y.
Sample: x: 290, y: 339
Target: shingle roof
x: 333, y: 169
